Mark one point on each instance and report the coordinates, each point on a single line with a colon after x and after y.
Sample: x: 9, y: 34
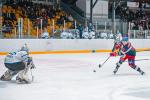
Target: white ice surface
x: 71, y: 77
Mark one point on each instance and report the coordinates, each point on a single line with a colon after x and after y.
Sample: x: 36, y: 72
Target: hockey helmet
x: 126, y: 39
x: 24, y: 48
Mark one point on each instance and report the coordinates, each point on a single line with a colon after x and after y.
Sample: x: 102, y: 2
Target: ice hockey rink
x: 71, y: 77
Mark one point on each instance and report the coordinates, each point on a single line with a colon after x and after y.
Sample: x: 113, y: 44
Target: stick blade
x: 99, y: 65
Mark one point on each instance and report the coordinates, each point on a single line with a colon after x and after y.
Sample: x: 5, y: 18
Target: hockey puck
x: 94, y: 70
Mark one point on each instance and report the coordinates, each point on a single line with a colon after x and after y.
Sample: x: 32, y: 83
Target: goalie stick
x: 32, y: 77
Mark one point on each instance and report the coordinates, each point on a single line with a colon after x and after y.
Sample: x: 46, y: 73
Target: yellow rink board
x: 75, y: 51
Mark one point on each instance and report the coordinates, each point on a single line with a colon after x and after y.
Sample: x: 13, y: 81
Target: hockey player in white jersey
x: 18, y: 63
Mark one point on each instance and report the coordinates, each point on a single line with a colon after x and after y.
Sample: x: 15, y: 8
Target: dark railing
x: 74, y: 14
x: 78, y: 10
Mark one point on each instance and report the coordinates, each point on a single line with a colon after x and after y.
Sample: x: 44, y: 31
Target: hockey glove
x: 30, y: 63
x: 117, y: 45
x: 112, y: 54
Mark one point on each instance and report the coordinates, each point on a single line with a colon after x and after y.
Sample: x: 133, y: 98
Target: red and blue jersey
x: 121, y: 49
x: 128, y: 49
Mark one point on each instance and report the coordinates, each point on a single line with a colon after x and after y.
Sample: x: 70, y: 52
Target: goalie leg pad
x: 7, y: 76
x: 22, y: 76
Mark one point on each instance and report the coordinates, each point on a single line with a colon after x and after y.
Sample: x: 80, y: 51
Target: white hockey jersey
x: 45, y: 35
x: 18, y: 56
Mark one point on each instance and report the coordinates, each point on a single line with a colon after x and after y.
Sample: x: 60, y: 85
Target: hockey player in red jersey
x: 126, y: 51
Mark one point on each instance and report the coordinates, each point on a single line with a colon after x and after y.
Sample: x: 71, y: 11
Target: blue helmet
x: 125, y: 39
x: 24, y: 48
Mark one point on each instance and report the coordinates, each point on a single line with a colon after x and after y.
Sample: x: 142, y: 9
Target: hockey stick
x: 100, y: 65
x: 139, y: 60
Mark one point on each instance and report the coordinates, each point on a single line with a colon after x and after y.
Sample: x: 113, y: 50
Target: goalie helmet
x: 24, y: 48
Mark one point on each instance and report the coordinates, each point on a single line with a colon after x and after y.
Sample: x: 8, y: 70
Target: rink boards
x: 61, y: 46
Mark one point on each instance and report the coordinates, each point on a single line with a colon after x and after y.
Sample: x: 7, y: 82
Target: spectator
x: 45, y: 34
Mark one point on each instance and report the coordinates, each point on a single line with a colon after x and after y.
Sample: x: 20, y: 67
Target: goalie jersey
x: 19, y: 56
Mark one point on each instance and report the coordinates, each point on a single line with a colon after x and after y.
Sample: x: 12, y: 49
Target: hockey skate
x: 115, y: 71
x: 139, y: 70
x: 142, y: 73
x: 22, y: 81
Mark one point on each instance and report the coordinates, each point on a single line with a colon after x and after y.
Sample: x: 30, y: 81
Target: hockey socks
x: 139, y: 70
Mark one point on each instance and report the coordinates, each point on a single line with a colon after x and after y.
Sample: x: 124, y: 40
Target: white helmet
x: 24, y: 48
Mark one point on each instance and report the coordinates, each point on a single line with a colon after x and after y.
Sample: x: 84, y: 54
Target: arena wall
x: 67, y: 45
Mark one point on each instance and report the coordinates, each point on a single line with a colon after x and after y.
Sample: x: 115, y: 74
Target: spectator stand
x: 29, y: 25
